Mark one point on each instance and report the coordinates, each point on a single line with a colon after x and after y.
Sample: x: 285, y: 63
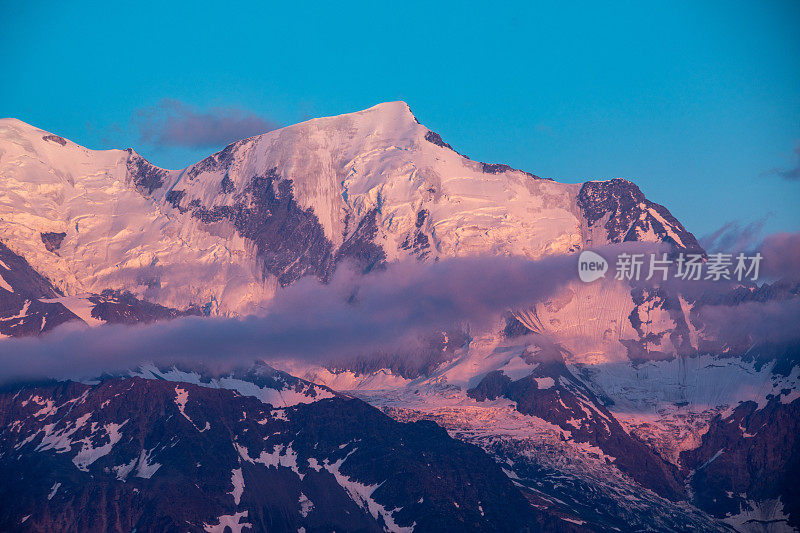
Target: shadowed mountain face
x: 30, y: 305
x: 136, y: 454
x: 751, y: 454
x: 553, y: 394
x: 21, y: 311
x: 625, y: 215
x: 121, y: 307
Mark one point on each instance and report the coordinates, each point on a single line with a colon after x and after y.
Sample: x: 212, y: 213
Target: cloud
x: 779, y: 264
x: 752, y: 323
x: 733, y: 237
x: 781, y: 253
x: 174, y: 123
x: 740, y: 317
x: 388, y: 312
x: 791, y: 174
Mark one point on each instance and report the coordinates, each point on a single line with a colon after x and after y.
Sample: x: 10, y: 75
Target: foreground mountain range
x: 604, y: 407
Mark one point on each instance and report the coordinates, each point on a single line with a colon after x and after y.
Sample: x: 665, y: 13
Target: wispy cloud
x: 749, y: 323
x: 735, y: 237
x: 174, y: 123
x: 781, y: 253
x: 791, y: 174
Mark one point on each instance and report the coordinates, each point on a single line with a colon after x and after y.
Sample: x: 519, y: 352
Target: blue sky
x: 698, y: 102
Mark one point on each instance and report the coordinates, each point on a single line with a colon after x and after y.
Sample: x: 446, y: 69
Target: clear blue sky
x: 696, y: 101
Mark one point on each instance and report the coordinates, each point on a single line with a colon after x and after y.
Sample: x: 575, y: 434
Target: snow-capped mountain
x: 371, y: 186
x: 605, y: 407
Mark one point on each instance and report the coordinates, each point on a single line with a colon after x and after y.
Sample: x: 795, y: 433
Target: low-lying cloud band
x: 353, y: 315
x: 388, y: 312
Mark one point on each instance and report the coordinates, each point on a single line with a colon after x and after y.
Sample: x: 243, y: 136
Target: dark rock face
x: 290, y: 241
x: 495, y: 168
x: 417, y: 242
x: 360, y: 247
x: 226, y: 185
x: 174, y: 198
x: 752, y: 454
x: 514, y: 328
x: 133, y: 454
x: 499, y: 168
x: 647, y: 347
x: 553, y: 394
x: 487, y: 168
x: 145, y: 176
x: 23, y: 278
x: 435, y: 138
x: 21, y: 312
x: 493, y: 385
x: 55, y: 138
x: 220, y: 160
x: 629, y: 214
x: 52, y: 241
x: 122, y: 307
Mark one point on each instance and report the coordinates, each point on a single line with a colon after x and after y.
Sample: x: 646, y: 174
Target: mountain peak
x: 391, y: 119
x: 397, y: 108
